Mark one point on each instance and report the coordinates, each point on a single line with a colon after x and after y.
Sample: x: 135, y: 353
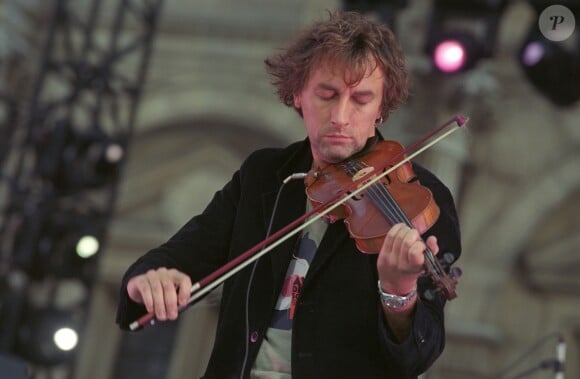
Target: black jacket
x: 338, y: 329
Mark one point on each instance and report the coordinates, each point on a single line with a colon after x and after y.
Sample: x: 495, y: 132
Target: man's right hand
x: 162, y: 291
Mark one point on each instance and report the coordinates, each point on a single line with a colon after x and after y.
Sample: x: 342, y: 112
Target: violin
x: 394, y: 197
x: 418, y: 210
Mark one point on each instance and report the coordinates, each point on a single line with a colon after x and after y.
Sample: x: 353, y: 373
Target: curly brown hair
x: 346, y: 40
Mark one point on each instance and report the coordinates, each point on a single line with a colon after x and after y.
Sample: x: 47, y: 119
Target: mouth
x: 336, y: 137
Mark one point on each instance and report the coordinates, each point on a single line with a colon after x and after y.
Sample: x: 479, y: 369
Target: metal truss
x: 57, y: 165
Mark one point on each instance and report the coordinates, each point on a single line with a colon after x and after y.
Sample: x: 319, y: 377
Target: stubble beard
x: 335, y: 153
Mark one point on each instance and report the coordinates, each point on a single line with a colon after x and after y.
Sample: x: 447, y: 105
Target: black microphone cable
x: 254, y: 265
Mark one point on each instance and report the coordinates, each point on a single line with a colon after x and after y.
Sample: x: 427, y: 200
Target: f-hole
x: 387, y: 177
x: 413, y: 179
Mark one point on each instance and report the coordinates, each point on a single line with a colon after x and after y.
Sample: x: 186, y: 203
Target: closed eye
x: 363, y: 99
x: 326, y: 94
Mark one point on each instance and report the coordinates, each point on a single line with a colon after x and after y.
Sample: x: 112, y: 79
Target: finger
x: 184, y: 290
x: 154, y: 279
x: 170, y: 297
x: 398, y: 236
x: 410, y: 248
x: 176, y: 291
x: 139, y: 291
x: 134, y: 288
x: 147, y: 295
x: 390, y: 237
x: 415, y: 256
x: 432, y: 244
x: 409, y: 238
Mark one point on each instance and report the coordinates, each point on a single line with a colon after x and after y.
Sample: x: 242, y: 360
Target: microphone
x: 298, y: 175
x: 560, y: 358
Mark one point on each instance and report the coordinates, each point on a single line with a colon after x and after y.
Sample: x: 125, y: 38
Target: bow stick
x: 213, y: 280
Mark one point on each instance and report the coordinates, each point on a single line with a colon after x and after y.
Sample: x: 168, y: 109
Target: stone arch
x: 494, y: 254
x: 252, y: 106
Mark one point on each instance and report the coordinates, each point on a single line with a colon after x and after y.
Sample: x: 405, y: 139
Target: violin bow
x: 214, y: 279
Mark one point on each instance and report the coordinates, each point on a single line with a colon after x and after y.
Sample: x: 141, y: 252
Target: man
x: 311, y: 307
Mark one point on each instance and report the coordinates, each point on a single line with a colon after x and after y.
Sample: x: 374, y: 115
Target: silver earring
x: 379, y: 120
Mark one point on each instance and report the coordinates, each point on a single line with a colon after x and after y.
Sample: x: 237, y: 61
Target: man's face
x: 339, y: 118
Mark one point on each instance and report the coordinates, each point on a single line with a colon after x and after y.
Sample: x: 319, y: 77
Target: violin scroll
x: 446, y: 283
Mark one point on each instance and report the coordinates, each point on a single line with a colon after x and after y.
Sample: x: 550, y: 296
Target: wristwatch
x: 395, y: 301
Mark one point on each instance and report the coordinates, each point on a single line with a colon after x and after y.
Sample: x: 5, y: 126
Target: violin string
x: 384, y: 200
x: 394, y: 208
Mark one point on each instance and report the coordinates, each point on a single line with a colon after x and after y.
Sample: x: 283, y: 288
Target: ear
x: 297, y: 101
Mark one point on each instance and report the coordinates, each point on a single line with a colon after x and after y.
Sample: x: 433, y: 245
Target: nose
x: 340, y: 113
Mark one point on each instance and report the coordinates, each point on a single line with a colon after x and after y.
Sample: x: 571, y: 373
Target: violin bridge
x: 362, y: 173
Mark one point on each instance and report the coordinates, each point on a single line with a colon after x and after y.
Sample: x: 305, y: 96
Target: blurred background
x: 120, y: 118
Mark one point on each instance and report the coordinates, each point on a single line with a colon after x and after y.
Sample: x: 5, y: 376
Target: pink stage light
x: 450, y: 56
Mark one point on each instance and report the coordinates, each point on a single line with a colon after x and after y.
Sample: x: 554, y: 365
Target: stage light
x: 65, y: 338
x: 449, y: 56
x: 551, y: 67
x: 49, y: 336
x: 454, y: 53
x: 87, y: 246
x: 462, y: 33
x: 64, y: 244
x: 71, y: 247
x: 77, y: 160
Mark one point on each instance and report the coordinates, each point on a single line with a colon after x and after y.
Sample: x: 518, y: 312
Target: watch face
x: 395, y: 301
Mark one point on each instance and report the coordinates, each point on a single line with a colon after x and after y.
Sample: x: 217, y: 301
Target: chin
x: 337, y: 158
x: 337, y: 154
